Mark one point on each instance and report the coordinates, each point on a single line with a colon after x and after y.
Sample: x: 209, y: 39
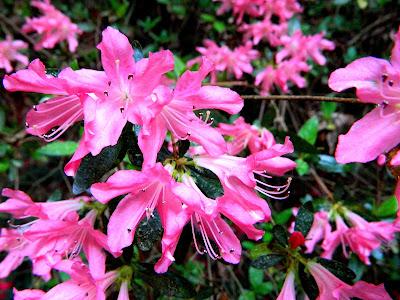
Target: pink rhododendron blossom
x: 361, y: 237
x: 174, y: 112
x: 20, y: 205
x: 243, y: 135
x: 83, y: 284
x: 9, y: 52
x: 301, y: 47
x: 264, y: 30
x: 236, y: 61
x: 50, y: 119
x: 288, y: 292
x: 319, y: 230
x: 146, y: 191
x: 125, y: 92
x: 53, y: 27
x: 376, y: 81
x: 332, y: 288
x: 205, y: 217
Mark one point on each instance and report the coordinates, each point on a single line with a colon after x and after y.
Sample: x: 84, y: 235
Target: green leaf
x: 4, y: 165
x: 149, y: 232
x: 247, y: 295
x: 207, y: 182
x: 180, y: 66
x: 219, y: 26
x: 283, y: 217
x: 267, y: 261
x: 2, y: 119
x: 168, y: 284
x: 363, y: 4
x: 309, y: 130
x: 58, y: 148
x: 308, y: 283
x: 264, y: 288
x: 328, y: 108
x: 387, y: 208
x: 92, y: 168
x: 256, y: 276
x: 183, y: 147
x: 280, y: 235
x: 338, y: 269
x: 302, y: 167
x: 304, y: 220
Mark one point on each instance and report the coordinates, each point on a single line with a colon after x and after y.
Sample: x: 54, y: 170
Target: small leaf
x: 283, y: 217
x: 304, y: 220
x: 247, y: 295
x: 149, y: 232
x: 308, y: 283
x: 168, y: 284
x: 207, y: 182
x: 338, y: 269
x: 328, y: 108
x: 387, y: 208
x: 267, y: 261
x: 58, y: 148
x: 302, y: 167
x: 180, y: 66
x: 92, y: 168
x: 309, y: 130
x: 280, y: 235
x: 2, y: 119
x: 256, y: 276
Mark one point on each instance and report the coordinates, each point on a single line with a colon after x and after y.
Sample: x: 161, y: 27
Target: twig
x: 19, y: 31
x: 229, y: 83
x: 321, y: 184
x: 304, y: 98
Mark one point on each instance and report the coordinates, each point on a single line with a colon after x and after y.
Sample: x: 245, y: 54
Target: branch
x: 304, y: 98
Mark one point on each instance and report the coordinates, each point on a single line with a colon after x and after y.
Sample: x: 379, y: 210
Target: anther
x: 121, y: 109
x: 34, y: 108
x: 390, y: 82
x: 231, y: 250
x: 384, y: 77
x: 129, y: 230
x: 105, y: 93
x: 109, y: 83
x: 130, y: 76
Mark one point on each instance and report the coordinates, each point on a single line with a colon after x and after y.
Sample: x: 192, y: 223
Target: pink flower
x: 334, y: 239
x: 266, y: 78
x: 20, y: 205
x: 319, y: 230
x: 174, y: 112
x: 301, y: 47
x: 146, y: 191
x: 376, y: 81
x: 264, y: 30
x: 28, y: 294
x: 205, y: 218
x: 53, y: 27
x: 125, y: 92
x: 245, y: 135
x: 240, y: 8
x: 288, y: 292
x: 68, y: 237
x: 290, y: 70
x: 9, y: 52
x: 236, y: 61
x: 50, y: 119
x: 332, y: 288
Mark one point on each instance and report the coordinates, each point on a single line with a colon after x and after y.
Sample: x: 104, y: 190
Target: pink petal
x: 122, y: 225
x: 120, y: 183
x: 370, y: 136
x: 363, y: 74
x: 217, y: 98
x: 116, y: 54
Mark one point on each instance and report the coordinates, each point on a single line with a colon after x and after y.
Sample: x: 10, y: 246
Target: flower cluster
x: 293, y: 50
x: 53, y: 27
x: 134, y: 92
x: 9, y: 52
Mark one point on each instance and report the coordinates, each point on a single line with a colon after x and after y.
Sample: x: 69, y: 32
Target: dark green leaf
x: 338, y: 269
x: 92, y: 168
x: 266, y: 261
x: 304, y: 220
x: 207, y: 182
x: 168, y: 284
x: 328, y: 108
x: 308, y: 283
x: 280, y: 235
x: 183, y: 146
x: 149, y: 232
